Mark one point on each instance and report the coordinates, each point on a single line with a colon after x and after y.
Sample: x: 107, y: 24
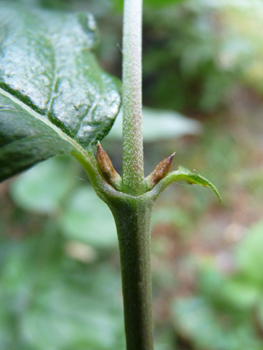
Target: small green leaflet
x: 183, y: 174
x: 54, y: 97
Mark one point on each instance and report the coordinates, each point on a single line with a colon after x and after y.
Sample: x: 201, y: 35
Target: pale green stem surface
x: 132, y: 154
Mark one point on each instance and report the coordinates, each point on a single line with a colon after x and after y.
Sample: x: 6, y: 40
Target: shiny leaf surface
x: 53, y: 95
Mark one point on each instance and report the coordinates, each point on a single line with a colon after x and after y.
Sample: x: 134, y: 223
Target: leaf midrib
x: 46, y: 121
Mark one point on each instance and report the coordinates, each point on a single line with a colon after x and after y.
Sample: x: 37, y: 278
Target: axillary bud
x: 106, y: 167
x: 159, y: 172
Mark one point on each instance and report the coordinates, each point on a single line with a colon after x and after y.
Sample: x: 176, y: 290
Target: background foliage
x: 59, y: 268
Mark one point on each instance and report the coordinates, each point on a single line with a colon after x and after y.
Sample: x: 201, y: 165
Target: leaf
x: 160, y: 124
x: 118, y: 4
x: 54, y: 302
x: 87, y: 219
x: 54, y: 98
x: 40, y: 190
x: 205, y: 327
x: 248, y: 254
x: 183, y: 174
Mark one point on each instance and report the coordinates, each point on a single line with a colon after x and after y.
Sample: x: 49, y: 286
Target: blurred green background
x: 60, y: 285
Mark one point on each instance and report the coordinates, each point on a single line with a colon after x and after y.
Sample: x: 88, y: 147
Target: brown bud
x: 106, y: 167
x: 160, y: 171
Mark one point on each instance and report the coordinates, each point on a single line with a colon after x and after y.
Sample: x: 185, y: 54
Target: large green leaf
x: 53, y: 95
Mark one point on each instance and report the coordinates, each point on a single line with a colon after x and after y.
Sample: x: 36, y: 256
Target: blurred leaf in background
x: 76, y: 210
x: 159, y: 125
x: 154, y: 3
x: 40, y: 190
x: 227, y: 311
x: 50, y: 301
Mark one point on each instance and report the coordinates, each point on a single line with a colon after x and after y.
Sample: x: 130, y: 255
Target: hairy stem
x: 132, y: 171
x: 132, y: 217
x: 131, y: 211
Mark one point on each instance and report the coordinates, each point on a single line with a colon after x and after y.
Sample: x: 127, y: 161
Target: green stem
x: 131, y: 209
x: 132, y: 154
x: 132, y: 216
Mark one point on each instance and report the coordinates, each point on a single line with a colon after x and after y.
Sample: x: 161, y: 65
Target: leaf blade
x: 25, y: 143
x: 51, y: 82
x: 183, y: 174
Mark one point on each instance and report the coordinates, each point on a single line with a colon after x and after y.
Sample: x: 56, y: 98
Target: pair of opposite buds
x: 114, y: 179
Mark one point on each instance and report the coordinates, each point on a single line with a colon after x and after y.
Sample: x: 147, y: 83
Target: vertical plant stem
x: 132, y: 154
x: 132, y: 219
x: 132, y: 214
